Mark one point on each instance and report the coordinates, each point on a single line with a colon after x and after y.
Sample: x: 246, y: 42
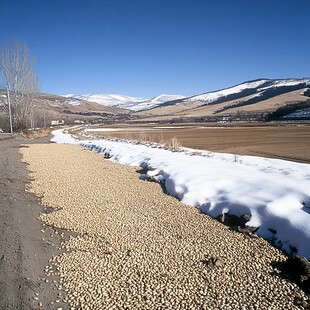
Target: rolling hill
x: 252, y: 98
x: 49, y: 107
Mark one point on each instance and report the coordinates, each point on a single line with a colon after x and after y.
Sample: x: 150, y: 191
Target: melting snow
x: 275, y: 192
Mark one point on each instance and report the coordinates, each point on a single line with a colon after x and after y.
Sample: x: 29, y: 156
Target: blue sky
x: 144, y: 48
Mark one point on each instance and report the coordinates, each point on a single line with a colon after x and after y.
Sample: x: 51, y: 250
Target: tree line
x: 19, y: 84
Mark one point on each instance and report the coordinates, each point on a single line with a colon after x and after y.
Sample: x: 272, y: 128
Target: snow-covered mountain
x: 212, y: 96
x: 156, y: 101
x: 111, y: 100
x: 257, y: 88
x: 123, y: 102
x: 253, y: 91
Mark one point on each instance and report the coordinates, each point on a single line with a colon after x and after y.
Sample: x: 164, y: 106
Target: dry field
x: 289, y: 142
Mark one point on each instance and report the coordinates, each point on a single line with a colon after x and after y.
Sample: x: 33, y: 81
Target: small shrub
x: 158, y: 137
x: 174, y: 144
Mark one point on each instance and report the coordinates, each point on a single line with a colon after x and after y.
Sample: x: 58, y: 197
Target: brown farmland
x: 290, y: 142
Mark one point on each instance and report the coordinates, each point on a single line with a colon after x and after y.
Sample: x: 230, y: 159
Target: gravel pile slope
x: 141, y: 249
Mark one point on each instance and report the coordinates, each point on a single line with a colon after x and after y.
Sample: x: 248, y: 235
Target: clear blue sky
x: 144, y: 48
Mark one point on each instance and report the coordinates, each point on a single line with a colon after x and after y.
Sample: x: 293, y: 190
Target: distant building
x: 57, y: 123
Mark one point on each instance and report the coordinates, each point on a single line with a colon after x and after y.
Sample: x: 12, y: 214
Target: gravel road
x: 138, y: 248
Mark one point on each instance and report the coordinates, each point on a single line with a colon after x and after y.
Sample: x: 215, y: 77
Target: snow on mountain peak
x: 286, y: 82
x: 247, y: 88
x: 111, y: 100
x: 214, y: 95
x: 164, y: 98
x: 125, y: 102
x: 255, y: 88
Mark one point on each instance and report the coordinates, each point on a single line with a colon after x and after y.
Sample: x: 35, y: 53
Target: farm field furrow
x: 283, y: 142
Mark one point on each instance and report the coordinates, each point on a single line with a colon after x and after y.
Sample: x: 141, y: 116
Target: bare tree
x: 21, y: 83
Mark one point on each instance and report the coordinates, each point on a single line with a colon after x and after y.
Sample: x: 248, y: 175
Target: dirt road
x: 23, y: 253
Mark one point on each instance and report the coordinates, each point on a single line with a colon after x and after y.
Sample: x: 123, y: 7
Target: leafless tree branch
x: 16, y: 67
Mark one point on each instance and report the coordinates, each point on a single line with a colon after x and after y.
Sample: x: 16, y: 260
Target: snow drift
x: 275, y: 192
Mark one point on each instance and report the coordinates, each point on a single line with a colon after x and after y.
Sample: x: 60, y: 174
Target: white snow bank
x: 62, y: 136
x: 120, y: 129
x: 102, y: 129
x: 275, y: 192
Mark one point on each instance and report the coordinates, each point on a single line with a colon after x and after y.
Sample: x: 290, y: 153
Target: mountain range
x: 257, y: 100
x: 259, y: 90
x: 125, y: 102
x: 254, y: 100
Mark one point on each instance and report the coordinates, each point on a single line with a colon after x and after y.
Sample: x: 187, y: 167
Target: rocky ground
x: 133, y: 247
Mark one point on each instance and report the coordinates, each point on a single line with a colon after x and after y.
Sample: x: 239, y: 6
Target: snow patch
x: 212, y: 96
x: 298, y: 114
x: 73, y: 101
x: 288, y: 82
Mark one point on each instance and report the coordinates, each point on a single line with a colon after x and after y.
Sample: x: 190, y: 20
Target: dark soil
x: 23, y: 253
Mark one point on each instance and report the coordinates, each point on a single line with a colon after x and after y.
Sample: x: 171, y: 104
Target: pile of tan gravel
x: 138, y: 248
